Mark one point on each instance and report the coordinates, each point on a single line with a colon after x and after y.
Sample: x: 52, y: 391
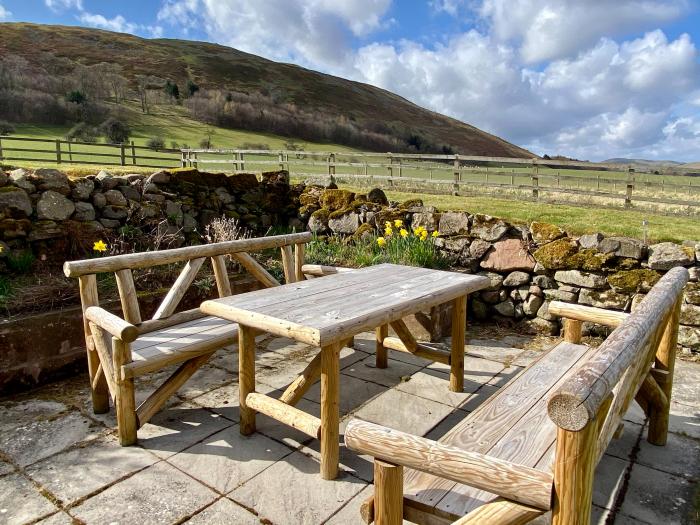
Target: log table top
x: 333, y: 308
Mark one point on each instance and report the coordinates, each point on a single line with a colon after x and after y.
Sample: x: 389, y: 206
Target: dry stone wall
x: 44, y: 212
x: 528, y: 265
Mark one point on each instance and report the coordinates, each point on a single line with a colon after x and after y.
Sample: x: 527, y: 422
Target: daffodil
x: 403, y: 232
x: 381, y: 241
x: 99, y: 246
x: 418, y: 230
x: 1, y: 248
x: 398, y: 223
x: 423, y: 235
x: 388, y: 224
x: 436, y: 233
x: 388, y: 232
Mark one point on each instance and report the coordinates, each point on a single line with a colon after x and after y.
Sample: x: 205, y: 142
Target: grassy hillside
x: 217, y: 67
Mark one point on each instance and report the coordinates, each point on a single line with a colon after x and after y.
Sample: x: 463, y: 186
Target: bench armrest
x: 319, y: 270
x: 514, y: 482
x: 587, y: 313
x: 109, y: 322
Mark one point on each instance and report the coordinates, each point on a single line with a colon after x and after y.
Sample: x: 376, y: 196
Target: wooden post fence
x: 133, y: 153
x: 455, y: 184
x: 122, y: 154
x: 58, y: 151
x: 629, y: 188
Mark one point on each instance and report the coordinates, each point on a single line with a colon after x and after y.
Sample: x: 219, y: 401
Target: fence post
x: 58, y: 151
x: 70, y: 152
x: 280, y: 158
x: 535, y: 181
x: 1, y: 157
x: 597, y: 181
x: 241, y: 163
x: 331, y: 164
x: 455, y: 183
x: 400, y: 170
x: 390, y: 162
x: 630, y: 187
x: 122, y: 154
x: 183, y: 161
x: 133, y: 153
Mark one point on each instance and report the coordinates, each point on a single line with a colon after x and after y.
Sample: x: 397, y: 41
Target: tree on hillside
x: 116, y: 80
x: 144, y: 84
x: 172, y: 90
x: 192, y: 88
x: 115, y: 131
x: 76, y: 97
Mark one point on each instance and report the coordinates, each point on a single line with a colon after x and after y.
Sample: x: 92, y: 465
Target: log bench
x: 120, y: 349
x: 533, y: 447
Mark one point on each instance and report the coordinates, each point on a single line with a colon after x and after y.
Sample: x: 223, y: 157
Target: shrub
x: 82, y: 132
x: 155, y: 143
x: 76, y: 96
x: 115, y: 130
x: 192, y: 88
x: 20, y: 261
x: 6, y: 128
x: 255, y: 145
x: 174, y: 145
x: 206, y: 143
x: 172, y: 90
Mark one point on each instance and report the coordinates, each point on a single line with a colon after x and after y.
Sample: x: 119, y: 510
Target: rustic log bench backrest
x: 636, y: 360
x: 111, y: 363
x: 505, y: 462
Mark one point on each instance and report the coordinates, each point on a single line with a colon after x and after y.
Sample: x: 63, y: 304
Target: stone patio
x: 61, y: 464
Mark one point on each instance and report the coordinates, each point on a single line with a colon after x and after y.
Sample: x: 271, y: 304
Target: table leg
x: 381, y: 358
x: 459, y: 326
x: 330, y: 411
x: 246, y: 377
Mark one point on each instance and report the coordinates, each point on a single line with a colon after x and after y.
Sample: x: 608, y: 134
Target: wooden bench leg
x: 459, y: 327
x: 246, y: 377
x: 666, y: 361
x: 574, y: 466
x: 330, y: 411
x: 98, y: 382
x: 125, y: 398
x: 381, y: 358
x: 388, y: 493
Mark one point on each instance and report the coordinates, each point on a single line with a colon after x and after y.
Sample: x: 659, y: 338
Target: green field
x: 574, y: 219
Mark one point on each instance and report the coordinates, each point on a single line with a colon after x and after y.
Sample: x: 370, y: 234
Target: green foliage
x: 76, y: 96
x: 82, y: 132
x: 172, y: 90
x: 192, y: 88
x: 156, y: 143
x: 115, y: 130
x: 6, y: 290
x: 20, y: 261
x: 6, y: 128
x: 255, y: 145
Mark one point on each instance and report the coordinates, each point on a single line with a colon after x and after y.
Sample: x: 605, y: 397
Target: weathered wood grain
x: 246, y: 378
x: 109, y: 322
x: 100, y: 391
x: 127, y: 296
x: 330, y: 410
x: 297, y: 388
x: 388, y: 489
x: 512, y: 481
x: 179, y: 288
x: 577, y: 402
x: 459, y: 325
x: 284, y: 413
x: 587, y: 313
x: 290, y: 274
x: 125, y: 400
x: 155, y: 258
x: 223, y: 285
x: 256, y: 270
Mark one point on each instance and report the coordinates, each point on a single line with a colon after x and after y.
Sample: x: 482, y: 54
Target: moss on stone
x: 337, y: 199
x: 10, y: 189
x: 626, y: 263
x: 588, y: 259
x: 389, y: 214
x: 364, y: 230
x: 543, y: 232
x: 321, y: 215
x: 173, y: 171
x: 231, y: 214
x: 555, y: 255
x: 307, y: 210
x: 309, y: 199
x: 412, y: 203
x: 361, y: 197
x: 339, y: 213
x: 690, y: 252
x: 631, y: 281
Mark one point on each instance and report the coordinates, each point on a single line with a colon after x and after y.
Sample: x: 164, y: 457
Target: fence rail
x: 75, y: 152
x: 456, y: 174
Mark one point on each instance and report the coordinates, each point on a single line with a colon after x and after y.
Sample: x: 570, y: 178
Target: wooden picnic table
x: 328, y: 311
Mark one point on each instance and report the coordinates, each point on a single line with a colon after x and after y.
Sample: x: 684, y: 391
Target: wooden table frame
x: 331, y: 339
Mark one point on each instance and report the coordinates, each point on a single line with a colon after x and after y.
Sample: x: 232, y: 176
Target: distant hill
x: 234, y: 89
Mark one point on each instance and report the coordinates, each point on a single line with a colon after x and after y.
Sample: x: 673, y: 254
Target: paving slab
x: 680, y: 456
x: 31, y: 441
x: 622, y: 447
x: 171, y: 431
x: 446, y: 424
x: 224, y: 512
x: 207, y: 378
x: 685, y: 420
x: 226, y: 358
x: 434, y: 385
x: 479, y: 397
x: 159, y: 494
x: 81, y: 471
x: 405, y: 412
x: 493, y: 350
x: 227, y: 459
x: 686, y: 383
x: 5, y: 468
x: 656, y: 497
x: 60, y: 518
x: 354, y: 393
x: 608, y: 480
x: 300, y: 495
x: 392, y: 375
x: 21, y: 502
x: 477, y: 371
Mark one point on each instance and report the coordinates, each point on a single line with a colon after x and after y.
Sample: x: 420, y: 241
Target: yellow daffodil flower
x: 423, y: 235
x: 436, y: 233
x: 381, y: 241
x: 99, y: 246
x: 403, y: 232
x: 387, y: 224
x: 388, y: 232
x: 398, y: 223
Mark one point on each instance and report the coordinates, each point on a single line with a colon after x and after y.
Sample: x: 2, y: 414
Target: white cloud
x: 550, y: 29
x: 118, y: 23
x: 64, y: 5
x: 589, y: 95
x: 4, y: 14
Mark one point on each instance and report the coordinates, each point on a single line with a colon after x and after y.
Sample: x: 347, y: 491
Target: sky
x: 591, y: 79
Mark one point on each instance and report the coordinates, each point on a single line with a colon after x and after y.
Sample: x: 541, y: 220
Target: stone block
x: 516, y: 278
x: 51, y: 179
x: 488, y: 228
x: 583, y: 279
x: 623, y: 247
x: 590, y: 240
x: 454, y: 223
x: 543, y: 232
x: 603, y: 299
x: 21, y: 502
x: 667, y: 255
x: 14, y: 202
x: 82, y: 189
x: 507, y: 256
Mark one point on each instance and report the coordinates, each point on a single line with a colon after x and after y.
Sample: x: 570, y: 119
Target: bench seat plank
x: 179, y: 343
x: 513, y: 425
